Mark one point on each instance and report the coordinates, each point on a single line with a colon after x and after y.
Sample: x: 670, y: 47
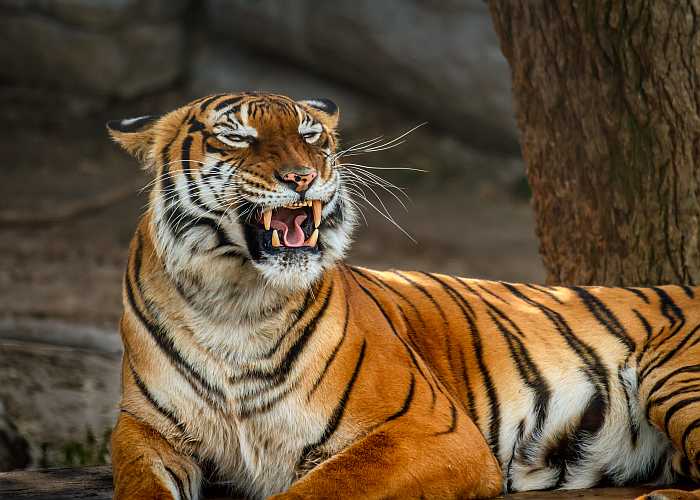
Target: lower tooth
x: 313, y: 239
x: 275, y: 239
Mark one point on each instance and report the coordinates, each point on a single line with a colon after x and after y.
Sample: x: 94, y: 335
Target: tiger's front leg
x: 407, y: 459
x: 146, y: 466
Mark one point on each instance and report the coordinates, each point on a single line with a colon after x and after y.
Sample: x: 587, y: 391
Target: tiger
x: 257, y: 359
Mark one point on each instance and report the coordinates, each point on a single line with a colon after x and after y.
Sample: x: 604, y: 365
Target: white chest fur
x: 256, y: 437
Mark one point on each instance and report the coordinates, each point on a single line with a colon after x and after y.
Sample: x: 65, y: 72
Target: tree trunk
x: 607, y: 97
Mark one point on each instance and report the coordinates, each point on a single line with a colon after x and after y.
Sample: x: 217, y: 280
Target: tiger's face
x: 246, y: 176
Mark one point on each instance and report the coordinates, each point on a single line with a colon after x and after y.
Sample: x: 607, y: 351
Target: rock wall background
x: 436, y: 58
x: 115, y: 48
x: 70, y: 199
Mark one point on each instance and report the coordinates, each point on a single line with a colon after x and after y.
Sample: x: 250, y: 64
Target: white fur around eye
x: 237, y: 138
x: 231, y: 142
x: 310, y: 131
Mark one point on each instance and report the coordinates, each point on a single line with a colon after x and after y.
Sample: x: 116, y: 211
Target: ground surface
x: 96, y: 483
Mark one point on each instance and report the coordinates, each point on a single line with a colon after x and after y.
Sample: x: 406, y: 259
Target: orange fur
x: 370, y: 384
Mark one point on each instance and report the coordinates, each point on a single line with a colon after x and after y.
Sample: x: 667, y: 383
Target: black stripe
x: 492, y: 294
x: 453, y: 420
x: 298, y: 316
x: 605, y: 316
x: 380, y: 284
x: 648, y: 331
x: 527, y: 369
x: 161, y: 336
x: 410, y: 331
x: 429, y: 378
x: 408, y: 349
x: 662, y: 360
x: 696, y: 341
x: 331, y: 358
x: 179, y: 222
x: 528, y: 372
x: 675, y: 408
x: 670, y: 395
x: 469, y: 316
x: 166, y: 412
x: 593, y: 367
x: 638, y: 292
x: 218, y: 173
x: 519, y: 353
x: 339, y: 410
x: 668, y: 307
x: 695, y: 424
x: 193, y: 191
x: 645, y: 324
x: 678, y: 371
x: 299, y: 345
x: 208, y: 100
x: 471, y: 403
x: 279, y: 373
x: 178, y: 482
x: 195, y: 125
x: 546, y: 292
x: 441, y: 312
x: 685, y: 465
x: 571, y: 449
x: 251, y: 406
x: 233, y: 101
x: 690, y: 293
x: 212, y: 148
x: 508, y: 475
x: 406, y: 402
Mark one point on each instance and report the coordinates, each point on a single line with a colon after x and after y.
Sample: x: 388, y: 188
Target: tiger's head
x: 249, y: 177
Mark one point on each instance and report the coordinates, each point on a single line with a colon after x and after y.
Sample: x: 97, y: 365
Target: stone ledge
x: 66, y: 404
x: 96, y: 483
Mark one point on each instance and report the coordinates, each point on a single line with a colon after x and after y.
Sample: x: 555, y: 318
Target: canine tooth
x: 313, y: 239
x: 267, y: 218
x: 275, y: 239
x: 317, y: 212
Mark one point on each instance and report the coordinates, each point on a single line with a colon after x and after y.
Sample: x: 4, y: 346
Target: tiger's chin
x: 296, y: 270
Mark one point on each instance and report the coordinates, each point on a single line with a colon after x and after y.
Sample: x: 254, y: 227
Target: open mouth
x: 289, y: 228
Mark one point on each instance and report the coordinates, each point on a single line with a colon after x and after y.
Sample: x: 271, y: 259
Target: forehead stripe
x: 206, y: 102
x: 228, y: 102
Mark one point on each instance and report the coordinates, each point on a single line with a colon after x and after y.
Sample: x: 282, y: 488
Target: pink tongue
x: 295, y: 237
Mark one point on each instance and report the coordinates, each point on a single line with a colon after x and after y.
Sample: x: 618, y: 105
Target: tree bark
x: 607, y: 96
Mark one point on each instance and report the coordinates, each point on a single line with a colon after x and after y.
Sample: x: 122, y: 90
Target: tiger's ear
x: 329, y: 112
x: 134, y: 134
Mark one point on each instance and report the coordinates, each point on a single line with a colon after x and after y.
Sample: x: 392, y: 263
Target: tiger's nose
x: 299, y: 178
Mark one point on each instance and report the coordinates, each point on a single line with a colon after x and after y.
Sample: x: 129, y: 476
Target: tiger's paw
x: 671, y: 495
x: 158, y: 480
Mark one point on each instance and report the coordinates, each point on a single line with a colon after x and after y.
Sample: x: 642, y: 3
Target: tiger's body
x: 268, y: 364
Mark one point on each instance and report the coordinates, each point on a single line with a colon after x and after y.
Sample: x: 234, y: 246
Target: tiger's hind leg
x: 669, y: 372
x: 407, y: 458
